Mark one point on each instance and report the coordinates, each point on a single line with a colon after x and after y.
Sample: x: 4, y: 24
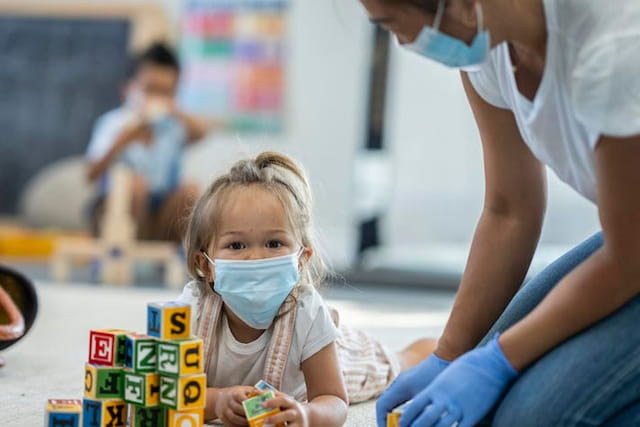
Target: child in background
x: 251, y: 251
x: 148, y: 134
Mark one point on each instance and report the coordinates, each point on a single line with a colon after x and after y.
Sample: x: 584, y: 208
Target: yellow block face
x: 191, y: 357
x: 114, y: 413
x: 152, y: 389
x: 259, y: 422
x: 188, y: 418
x: 90, y: 380
x: 393, y: 419
x: 176, y: 323
x: 192, y: 391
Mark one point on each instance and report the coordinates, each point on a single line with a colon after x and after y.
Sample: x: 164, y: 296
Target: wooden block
x: 169, y: 320
x: 107, y: 347
x: 141, y: 388
x: 147, y: 417
x: 140, y: 353
x: 189, y: 418
x: 102, y: 382
x: 182, y: 393
x: 393, y: 418
x: 181, y: 357
x: 63, y: 413
x: 104, y: 413
x: 254, y: 411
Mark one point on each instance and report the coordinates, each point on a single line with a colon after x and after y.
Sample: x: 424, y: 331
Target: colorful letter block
x: 148, y: 417
x: 63, y: 413
x: 104, y: 413
x: 256, y: 413
x: 169, y: 320
x: 189, y: 418
x: 106, y: 347
x: 140, y: 353
x: 183, y: 393
x: 179, y: 358
x: 141, y: 388
x: 102, y: 382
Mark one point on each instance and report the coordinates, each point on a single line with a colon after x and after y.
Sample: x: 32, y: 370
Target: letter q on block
x: 169, y: 320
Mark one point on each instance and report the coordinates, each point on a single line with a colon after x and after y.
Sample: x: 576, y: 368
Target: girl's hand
x: 292, y: 412
x: 229, y: 405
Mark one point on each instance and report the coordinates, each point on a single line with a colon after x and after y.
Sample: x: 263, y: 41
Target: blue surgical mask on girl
x: 255, y: 289
x: 448, y: 50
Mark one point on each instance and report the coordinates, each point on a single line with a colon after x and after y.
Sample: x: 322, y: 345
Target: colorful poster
x: 232, y: 53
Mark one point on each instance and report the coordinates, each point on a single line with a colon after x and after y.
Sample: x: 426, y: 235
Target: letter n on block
x: 141, y: 388
x: 103, y: 413
x: 63, y: 413
x: 141, y: 353
x: 188, y: 418
x: 179, y: 358
x: 182, y: 393
x: 169, y: 320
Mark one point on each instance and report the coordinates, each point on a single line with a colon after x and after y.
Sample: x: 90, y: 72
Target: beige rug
x: 49, y: 362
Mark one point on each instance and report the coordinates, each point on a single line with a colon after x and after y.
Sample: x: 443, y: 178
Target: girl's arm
x: 507, y: 233
x: 606, y: 280
x: 326, y: 393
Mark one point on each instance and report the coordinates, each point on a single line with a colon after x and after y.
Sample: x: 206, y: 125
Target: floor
x: 48, y: 362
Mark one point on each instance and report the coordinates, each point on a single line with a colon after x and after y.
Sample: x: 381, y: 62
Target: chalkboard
x: 57, y: 75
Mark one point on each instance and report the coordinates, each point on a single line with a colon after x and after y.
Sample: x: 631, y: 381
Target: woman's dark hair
x: 427, y: 5
x: 158, y: 54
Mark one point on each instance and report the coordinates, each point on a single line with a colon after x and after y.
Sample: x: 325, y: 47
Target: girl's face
x: 253, y: 225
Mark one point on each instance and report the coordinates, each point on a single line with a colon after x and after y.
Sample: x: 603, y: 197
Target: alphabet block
x: 393, y: 417
x: 102, y: 382
x: 254, y: 411
x: 169, y: 320
x: 147, y: 417
x: 107, y: 347
x: 140, y: 353
x: 189, y: 418
x: 63, y: 413
x: 179, y: 358
x: 141, y: 388
x: 104, y: 413
x: 183, y: 393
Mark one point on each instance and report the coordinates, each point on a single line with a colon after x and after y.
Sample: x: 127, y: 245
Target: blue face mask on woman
x: 449, y: 50
x: 255, y: 289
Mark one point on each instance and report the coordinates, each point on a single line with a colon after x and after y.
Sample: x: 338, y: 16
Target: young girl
x: 251, y: 252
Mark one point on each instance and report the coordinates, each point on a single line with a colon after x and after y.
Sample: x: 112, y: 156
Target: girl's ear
x: 305, y: 256
x: 203, y: 265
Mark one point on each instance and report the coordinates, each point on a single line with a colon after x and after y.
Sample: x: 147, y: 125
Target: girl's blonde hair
x: 273, y: 172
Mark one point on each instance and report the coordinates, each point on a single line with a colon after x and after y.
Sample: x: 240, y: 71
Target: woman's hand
x: 464, y: 392
x: 292, y: 412
x: 407, y: 385
x: 229, y: 405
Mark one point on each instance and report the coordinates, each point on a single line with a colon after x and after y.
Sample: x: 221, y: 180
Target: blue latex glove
x: 464, y: 392
x: 407, y: 385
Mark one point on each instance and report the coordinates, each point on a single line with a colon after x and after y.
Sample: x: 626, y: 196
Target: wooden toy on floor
x: 256, y: 413
x: 117, y: 248
x: 139, y: 380
x: 393, y: 418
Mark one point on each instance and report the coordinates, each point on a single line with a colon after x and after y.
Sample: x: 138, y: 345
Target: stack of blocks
x: 152, y: 380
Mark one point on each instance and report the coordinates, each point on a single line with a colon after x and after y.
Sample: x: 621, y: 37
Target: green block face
x: 148, y: 417
x: 253, y: 407
x: 141, y: 388
x: 109, y: 384
x: 169, y: 391
x: 140, y: 353
x: 121, y: 351
x: 168, y: 358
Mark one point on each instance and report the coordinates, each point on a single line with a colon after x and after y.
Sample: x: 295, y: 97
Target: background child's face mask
x: 254, y: 290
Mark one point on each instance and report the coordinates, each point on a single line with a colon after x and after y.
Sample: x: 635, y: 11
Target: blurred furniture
x: 117, y: 250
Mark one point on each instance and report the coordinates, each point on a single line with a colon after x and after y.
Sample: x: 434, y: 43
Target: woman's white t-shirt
x: 234, y: 363
x: 590, y: 86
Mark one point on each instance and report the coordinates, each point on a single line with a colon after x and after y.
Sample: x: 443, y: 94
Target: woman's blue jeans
x: 591, y: 379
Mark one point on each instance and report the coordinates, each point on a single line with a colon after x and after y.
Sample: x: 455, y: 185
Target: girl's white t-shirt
x: 590, y: 86
x: 234, y: 363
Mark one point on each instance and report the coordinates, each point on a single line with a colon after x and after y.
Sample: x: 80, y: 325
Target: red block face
x: 102, y: 348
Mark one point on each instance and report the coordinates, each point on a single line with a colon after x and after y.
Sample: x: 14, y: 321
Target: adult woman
x: 550, y: 82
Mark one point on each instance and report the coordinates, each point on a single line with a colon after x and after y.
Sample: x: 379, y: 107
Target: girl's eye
x: 235, y: 246
x: 274, y: 244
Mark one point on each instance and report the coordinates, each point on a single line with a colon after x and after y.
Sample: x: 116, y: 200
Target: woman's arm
x: 326, y: 394
x: 606, y: 280
x: 507, y: 233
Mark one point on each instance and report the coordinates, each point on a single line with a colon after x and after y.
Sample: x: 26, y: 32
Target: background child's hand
x: 229, y: 405
x: 292, y: 411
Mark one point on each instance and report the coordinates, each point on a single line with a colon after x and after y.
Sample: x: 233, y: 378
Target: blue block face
x: 64, y: 420
x: 91, y: 413
x: 154, y: 321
